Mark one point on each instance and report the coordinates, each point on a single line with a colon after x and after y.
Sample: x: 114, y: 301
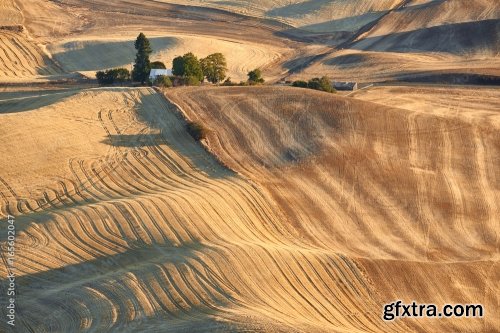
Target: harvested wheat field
x: 138, y: 226
x: 20, y: 60
x: 129, y: 205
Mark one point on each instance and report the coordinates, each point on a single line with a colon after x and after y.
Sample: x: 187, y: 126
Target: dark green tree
x: 192, y: 67
x: 197, y: 130
x: 122, y: 74
x: 189, y: 68
x: 300, y: 84
x: 255, y: 77
x: 111, y: 76
x: 214, y: 67
x: 158, y: 65
x: 322, y: 84
x: 178, y: 66
x: 142, y: 64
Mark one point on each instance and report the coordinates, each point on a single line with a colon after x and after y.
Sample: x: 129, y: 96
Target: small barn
x: 159, y: 72
x: 345, y: 85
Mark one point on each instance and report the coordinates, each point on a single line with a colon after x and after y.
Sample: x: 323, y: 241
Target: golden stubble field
x: 300, y: 212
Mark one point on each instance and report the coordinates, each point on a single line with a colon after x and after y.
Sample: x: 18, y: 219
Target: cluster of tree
x: 141, y: 68
x: 111, y: 76
x: 187, y: 69
x: 322, y: 84
x: 254, y: 78
x: 194, y: 70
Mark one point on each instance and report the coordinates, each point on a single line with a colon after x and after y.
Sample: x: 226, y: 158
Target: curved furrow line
x: 219, y: 186
x: 256, y: 294
x: 28, y: 52
x: 157, y: 231
x: 176, y: 189
x: 93, y: 183
x: 150, y: 172
x: 346, y: 306
x: 99, y: 241
x: 160, y: 293
x: 283, y: 300
x: 5, y: 207
x: 95, y: 174
x: 263, y: 215
x: 14, y: 195
x: 76, y: 191
x: 16, y: 56
x: 299, y: 291
x: 204, y: 293
x: 79, y: 185
x: 123, y: 182
x: 153, y: 226
x: 304, y: 280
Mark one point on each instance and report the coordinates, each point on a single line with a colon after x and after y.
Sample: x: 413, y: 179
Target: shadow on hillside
x: 96, y: 55
x: 300, y: 63
x: 23, y: 223
x: 451, y: 78
x: 32, y: 100
x: 134, y: 140
x: 346, y: 24
x: 54, y: 298
x: 457, y: 38
x: 161, y: 116
x: 333, y: 32
x: 427, y: 5
x: 347, y: 60
x: 298, y: 10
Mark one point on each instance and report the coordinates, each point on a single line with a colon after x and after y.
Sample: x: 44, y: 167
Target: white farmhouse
x: 159, y: 72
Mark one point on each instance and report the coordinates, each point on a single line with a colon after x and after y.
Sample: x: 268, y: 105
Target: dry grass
x: 313, y: 210
x: 387, y: 187
x: 131, y: 223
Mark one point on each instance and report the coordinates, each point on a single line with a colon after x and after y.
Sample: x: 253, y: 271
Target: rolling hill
x: 301, y: 211
x: 309, y: 204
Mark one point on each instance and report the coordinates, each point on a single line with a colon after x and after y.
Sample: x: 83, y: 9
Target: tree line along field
x: 79, y: 55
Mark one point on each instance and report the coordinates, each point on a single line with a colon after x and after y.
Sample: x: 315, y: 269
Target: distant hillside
x: 458, y: 27
x: 310, y: 15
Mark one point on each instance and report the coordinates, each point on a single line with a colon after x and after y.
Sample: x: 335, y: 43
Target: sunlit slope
x: 21, y: 56
x: 312, y: 16
x: 412, y: 195
x: 417, y: 15
x: 419, y: 38
x: 21, y: 59
x: 131, y: 226
x: 10, y: 14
